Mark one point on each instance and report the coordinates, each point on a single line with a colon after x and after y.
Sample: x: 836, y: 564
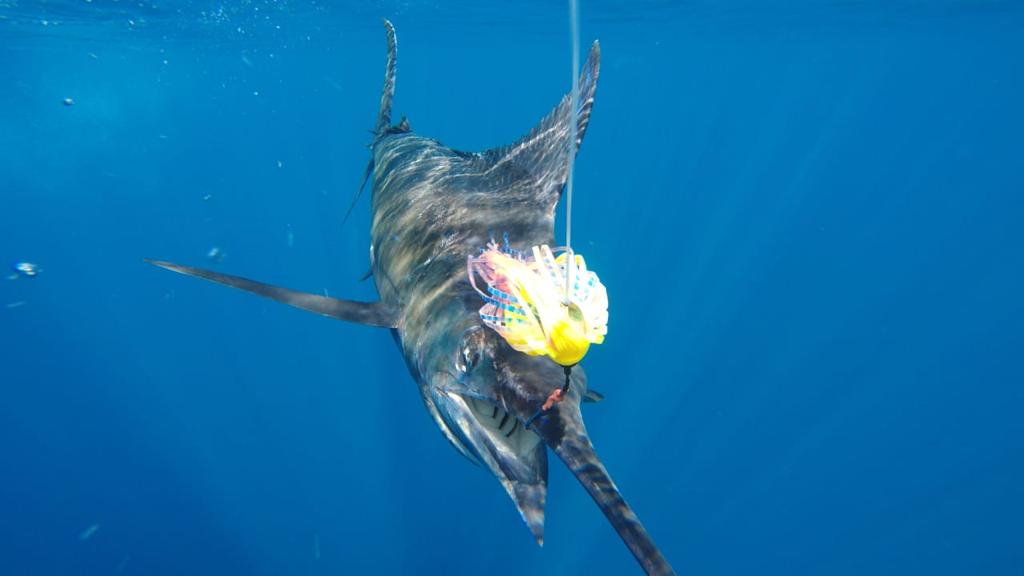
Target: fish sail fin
x: 541, y: 158
x: 368, y: 313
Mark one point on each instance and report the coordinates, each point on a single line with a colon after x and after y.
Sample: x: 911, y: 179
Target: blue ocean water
x: 808, y: 216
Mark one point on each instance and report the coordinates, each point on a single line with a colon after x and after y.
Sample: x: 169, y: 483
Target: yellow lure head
x: 526, y: 302
x: 568, y: 337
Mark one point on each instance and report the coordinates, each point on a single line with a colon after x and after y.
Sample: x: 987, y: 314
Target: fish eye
x: 468, y: 358
x: 468, y: 355
x: 472, y: 347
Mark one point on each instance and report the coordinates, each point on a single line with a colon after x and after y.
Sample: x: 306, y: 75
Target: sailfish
x: 432, y: 206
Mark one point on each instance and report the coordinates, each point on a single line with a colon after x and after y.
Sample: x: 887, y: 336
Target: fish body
x: 432, y: 206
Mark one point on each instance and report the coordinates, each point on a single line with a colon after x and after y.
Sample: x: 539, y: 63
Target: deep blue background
x: 808, y: 216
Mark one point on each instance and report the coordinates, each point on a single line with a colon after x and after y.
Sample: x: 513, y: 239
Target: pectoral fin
x: 369, y: 313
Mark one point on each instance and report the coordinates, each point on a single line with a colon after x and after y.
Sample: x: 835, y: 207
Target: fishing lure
x: 527, y: 303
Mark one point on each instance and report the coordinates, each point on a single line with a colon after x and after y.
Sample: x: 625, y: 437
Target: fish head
x: 487, y: 399
x: 498, y: 385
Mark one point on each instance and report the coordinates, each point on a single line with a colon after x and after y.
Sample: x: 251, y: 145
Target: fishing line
x: 574, y: 98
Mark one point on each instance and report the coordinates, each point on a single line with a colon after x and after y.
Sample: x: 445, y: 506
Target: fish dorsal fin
x: 541, y: 158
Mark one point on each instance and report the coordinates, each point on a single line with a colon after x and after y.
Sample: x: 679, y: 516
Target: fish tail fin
x: 383, y: 126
